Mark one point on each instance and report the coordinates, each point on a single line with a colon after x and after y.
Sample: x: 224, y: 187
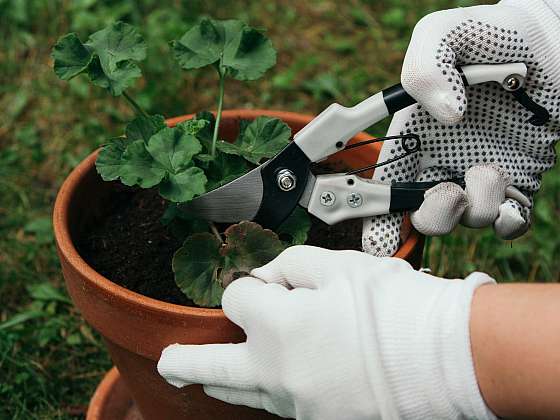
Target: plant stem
x: 134, y: 105
x: 219, y: 113
x: 215, y: 231
x: 427, y: 247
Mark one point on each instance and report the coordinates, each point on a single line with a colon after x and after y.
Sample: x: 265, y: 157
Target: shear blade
x: 238, y: 200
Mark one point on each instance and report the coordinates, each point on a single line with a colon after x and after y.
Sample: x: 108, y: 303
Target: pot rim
x: 68, y: 250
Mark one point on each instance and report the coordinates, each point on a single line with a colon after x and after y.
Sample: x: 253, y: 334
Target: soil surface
x: 134, y: 249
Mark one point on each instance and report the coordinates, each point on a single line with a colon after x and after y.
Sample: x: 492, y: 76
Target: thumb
x: 297, y: 266
x: 429, y: 74
x: 441, y: 210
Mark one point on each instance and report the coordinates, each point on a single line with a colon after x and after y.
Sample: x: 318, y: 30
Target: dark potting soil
x: 134, y: 249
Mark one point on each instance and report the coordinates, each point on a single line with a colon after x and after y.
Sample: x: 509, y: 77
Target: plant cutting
x: 129, y: 230
x: 189, y: 159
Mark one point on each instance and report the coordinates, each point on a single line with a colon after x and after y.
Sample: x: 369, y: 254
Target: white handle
x: 331, y: 129
x: 481, y: 73
x: 341, y: 197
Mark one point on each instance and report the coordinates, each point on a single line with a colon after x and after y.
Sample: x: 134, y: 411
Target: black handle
x: 396, y: 98
x: 408, y: 196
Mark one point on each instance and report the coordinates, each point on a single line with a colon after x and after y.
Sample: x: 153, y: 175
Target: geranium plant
x: 189, y: 159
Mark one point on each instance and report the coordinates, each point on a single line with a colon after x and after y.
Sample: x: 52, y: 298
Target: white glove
x: 341, y: 335
x: 481, y: 128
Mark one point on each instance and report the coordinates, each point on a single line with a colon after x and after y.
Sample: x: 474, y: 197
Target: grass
x: 50, y: 360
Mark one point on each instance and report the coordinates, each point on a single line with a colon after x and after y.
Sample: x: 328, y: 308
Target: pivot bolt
x: 286, y: 180
x: 327, y: 198
x: 513, y: 83
x: 354, y: 200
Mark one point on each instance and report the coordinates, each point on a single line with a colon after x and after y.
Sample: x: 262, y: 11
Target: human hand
x: 341, y: 334
x: 479, y: 132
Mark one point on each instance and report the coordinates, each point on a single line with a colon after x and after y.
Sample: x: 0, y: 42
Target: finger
x: 522, y: 199
x: 249, y: 298
x: 441, y: 210
x: 442, y: 39
x: 225, y: 365
x: 429, y: 74
x: 235, y: 396
x: 298, y: 266
x: 381, y: 234
x: 485, y: 186
x: 513, y: 220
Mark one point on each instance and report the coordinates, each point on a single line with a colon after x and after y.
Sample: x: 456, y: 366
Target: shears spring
x: 410, y: 143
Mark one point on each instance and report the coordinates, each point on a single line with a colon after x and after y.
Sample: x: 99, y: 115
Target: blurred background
x: 50, y: 361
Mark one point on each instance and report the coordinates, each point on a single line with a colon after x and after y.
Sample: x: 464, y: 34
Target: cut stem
x: 219, y: 113
x: 215, y: 231
x: 137, y: 108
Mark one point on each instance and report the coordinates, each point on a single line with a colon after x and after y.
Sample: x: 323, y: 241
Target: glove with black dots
x: 478, y: 132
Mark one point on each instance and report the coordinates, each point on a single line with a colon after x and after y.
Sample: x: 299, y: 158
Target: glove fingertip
x: 510, y: 224
x: 446, y: 107
x: 169, y: 365
x: 441, y: 210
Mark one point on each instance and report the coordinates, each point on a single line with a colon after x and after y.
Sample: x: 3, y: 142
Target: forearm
x: 515, y: 339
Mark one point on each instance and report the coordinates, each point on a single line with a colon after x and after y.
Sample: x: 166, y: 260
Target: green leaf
x: 41, y: 228
x: 109, y: 57
x: 183, y: 186
x: 262, y: 138
x: 166, y: 160
x: 143, y: 127
x: 110, y: 159
x: 71, y: 57
x: 193, y: 126
x: 46, y: 292
x: 238, y: 50
x: 174, y: 149
x: 118, y: 42
x: 196, y: 266
x: 248, y: 53
x: 223, y: 169
x: 248, y: 246
x: 295, y: 228
x: 200, y: 46
x: 324, y: 86
x: 139, y: 167
x: 21, y: 318
x: 120, y: 78
x: 117, y: 47
x: 182, y: 224
x: 204, y: 265
x: 204, y: 158
x: 205, y: 134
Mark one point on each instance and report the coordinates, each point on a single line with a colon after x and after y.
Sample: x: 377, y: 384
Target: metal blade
x: 306, y: 195
x: 238, y: 200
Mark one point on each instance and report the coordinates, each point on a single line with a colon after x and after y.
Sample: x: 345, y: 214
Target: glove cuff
x: 428, y: 360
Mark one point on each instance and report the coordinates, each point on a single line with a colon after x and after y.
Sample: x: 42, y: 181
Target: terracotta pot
x: 136, y: 328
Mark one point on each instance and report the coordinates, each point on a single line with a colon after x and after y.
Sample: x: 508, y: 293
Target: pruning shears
x: 269, y: 193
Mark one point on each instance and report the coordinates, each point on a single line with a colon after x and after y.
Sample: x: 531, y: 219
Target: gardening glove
x: 341, y: 335
x: 480, y: 132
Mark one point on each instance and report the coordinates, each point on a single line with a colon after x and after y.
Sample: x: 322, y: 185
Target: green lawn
x: 50, y: 360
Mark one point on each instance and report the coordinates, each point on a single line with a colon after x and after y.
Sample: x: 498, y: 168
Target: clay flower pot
x: 136, y: 328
